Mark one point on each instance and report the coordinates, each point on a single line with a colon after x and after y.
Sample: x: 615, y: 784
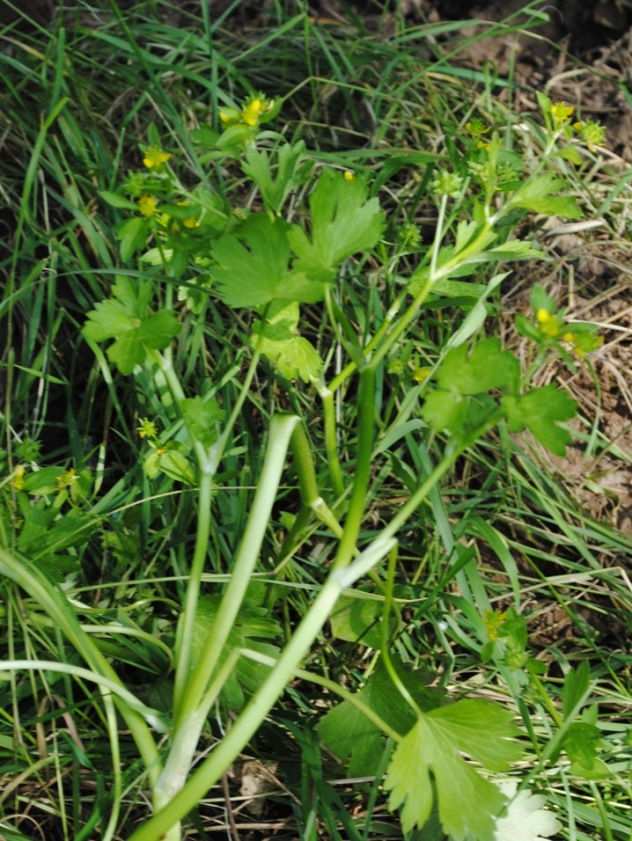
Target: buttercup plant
x: 260, y: 257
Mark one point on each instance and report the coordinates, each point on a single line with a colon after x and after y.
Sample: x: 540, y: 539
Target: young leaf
x: 253, y: 266
x: 580, y: 744
x: 132, y: 235
x: 537, y: 195
x: 575, y: 690
x: 277, y: 338
x: 487, y: 367
x: 202, y: 417
x: 358, y: 620
x: 539, y: 411
x: 117, y: 200
x: 124, y: 317
x: 344, y: 222
x: 467, y: 802
x: 289, y: 175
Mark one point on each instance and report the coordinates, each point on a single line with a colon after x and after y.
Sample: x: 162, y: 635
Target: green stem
x: 333, y: 687
x: 247, y: 724
x: 331, y: 442
x: 281, y: 429
x: 366, y: 431
x: 310, y: 495
x: 186, y: 625
x: 386, y: 657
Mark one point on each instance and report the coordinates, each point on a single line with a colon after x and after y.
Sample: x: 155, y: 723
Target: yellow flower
x: 67, y: 479
x: 493, y: 623
x: 561, y: 112
x: 543, y: 315
x: 191, y: 222
x: 550, y: 324
x: 147, y: 428
x: 147, y: 205
x: 348, y: 175
x: 252, y: 111
x: 18, y: 477
x: 420, y: 374
x: 155, y: 157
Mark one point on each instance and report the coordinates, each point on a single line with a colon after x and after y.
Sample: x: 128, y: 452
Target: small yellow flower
x: 252, y: 111
x: 67, y: 479
x: 147, y: 205
x: 147, y: 428
x: 421, y: 374
x: 18, y: 477
x: 493, y: 623
x: 155, y: 157
x: 561, y: 112
x: 348, y: 175
x: 543, y: 315
x: 550, y: 324
x: 191, y: 222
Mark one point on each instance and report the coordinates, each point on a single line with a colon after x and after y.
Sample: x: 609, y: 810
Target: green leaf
x: 176, y: 466
x: 487, y: 367
x: 252, y: 624
x: 289, y: 175
x: 351, y: 735
x: 576, y: 685
x: 445, y: 410
x: 467, y: 802
x: 277, y: 338
x: 344, y: 222
x: 253, y: 266
x: 202, y: 417
x: 537, y: 195
x: 124, y: 317
x: 358, y: 620
x: 117, y: 200
x: 132, y: 235
x: 539, y: 411
x: 580, y: 744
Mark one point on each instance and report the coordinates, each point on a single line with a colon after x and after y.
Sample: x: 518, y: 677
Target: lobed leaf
x: 467, y: 802
x: 253, y: 266
x: 540, y: 411
x: 344, y: 222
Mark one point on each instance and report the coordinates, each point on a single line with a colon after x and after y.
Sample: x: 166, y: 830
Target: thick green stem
x: 281, y: 430
x: 184, y: 641
x: 331, y: 442
x: 250, y: 719
x: 310, y: 495
x: 366, y: 432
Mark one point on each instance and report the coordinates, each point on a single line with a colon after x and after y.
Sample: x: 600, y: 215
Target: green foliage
x: 353, y: 737
x: 467, y: 802
x: 253, y: 266
x: 253, y: 625
x: 344, y: 221
x: 277, y: 337
x: 126, y: 318
x: 537, y: 195
x: 291, y: 173
x: 540, y: 411
x: 462, y: 405
x: 217, y: 489
x: 202, y: 418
